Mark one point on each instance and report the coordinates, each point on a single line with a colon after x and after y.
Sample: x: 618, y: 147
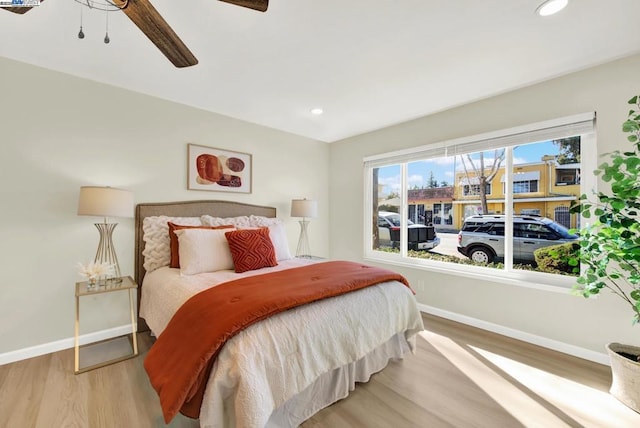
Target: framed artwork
x: 218, y: 170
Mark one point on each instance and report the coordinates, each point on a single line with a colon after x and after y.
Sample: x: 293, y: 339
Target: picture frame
x: 218, y: 170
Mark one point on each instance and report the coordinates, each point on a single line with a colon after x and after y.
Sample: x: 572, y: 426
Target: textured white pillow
x: 241, y: 221
x: 203, y: 250
x: 261, y: 221
x: 155, y: 233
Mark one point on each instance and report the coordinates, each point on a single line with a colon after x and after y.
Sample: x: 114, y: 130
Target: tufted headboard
x: 185, y: 209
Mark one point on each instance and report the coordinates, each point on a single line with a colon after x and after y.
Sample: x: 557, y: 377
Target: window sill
x: 536, y: 280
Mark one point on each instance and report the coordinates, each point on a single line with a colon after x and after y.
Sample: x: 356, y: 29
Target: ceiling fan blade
x: 151, y: 23
x: 260, y: 5
x: 20, y: 10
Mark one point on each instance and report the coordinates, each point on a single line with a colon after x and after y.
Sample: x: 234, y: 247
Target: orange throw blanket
x: 180, y: 361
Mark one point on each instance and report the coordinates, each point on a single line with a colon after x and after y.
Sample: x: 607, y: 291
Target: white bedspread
x: 164, y: 290
x: 265, y: 365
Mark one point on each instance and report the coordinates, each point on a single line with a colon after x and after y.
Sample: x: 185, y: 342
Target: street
x: 448, y: 245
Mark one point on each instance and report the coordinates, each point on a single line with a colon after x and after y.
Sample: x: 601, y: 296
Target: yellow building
x: 542, y: 188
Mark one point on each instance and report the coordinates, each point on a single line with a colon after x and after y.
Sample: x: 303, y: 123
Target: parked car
x: 482, y: 237
x: 420, y: 236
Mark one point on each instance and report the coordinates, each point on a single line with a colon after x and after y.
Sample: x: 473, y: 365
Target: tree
x: 393, y: 195
x: 569, y: 150
x: 432, y: 182
x: 481, y: 173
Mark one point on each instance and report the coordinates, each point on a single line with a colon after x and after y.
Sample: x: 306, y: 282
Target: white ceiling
x: 367, y: 63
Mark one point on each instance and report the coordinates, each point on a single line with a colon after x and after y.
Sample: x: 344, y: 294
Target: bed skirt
x: 336, y: 385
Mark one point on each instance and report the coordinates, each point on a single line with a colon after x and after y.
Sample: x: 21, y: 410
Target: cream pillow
x: 203, y: 250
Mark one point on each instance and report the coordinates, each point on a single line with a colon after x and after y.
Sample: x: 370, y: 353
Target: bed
x: 280, y: 370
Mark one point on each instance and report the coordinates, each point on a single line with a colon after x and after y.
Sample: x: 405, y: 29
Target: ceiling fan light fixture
x: 550, y: 7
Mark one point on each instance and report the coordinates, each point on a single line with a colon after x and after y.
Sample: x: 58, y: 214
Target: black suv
x: 482, y: 237
x: 420, y: 237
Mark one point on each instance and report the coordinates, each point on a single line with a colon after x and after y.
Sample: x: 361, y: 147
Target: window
x: 532, y: 211
x: 567, y: 175
x: 417, y: 214
x: 527, y: 178
x: 442, y: 213
x: 530, y: 186
x: 474, y: 189
x: 493, y: 200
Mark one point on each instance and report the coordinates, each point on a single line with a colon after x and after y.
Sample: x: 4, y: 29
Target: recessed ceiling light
x: 549, y: 7
x: 317, y: 111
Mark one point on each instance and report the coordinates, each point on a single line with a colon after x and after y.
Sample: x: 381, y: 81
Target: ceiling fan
x: 151, y: 23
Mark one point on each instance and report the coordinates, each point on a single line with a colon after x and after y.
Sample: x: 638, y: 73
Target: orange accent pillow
x: 251, y: 249
x: 173, y: 239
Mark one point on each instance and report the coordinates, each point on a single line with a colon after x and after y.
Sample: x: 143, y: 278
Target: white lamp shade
x: 105, y: 202
x: 304, y: 208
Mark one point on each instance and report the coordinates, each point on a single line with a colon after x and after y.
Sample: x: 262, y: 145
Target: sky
x: 443, y: 168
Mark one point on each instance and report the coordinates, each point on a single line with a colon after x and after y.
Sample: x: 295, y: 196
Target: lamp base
x: 106, y: 252
x: 303, y: 242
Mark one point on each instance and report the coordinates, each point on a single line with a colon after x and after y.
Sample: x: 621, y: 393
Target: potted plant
x: 610, y: 250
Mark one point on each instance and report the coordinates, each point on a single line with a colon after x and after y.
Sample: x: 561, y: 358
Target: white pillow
x: 240, y: 221
x: 203, y: 250
x: 278, y: 236
x: 208, y: 220
x: 261, y: 221
x: 155, y: 233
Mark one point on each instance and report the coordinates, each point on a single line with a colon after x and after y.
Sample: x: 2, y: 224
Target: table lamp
x: 106, y: 202
x: 306, y: 209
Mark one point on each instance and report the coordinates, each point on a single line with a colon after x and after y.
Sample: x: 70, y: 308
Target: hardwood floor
x: 459, y: 377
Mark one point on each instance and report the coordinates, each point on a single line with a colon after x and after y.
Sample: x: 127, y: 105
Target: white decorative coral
x: 93, y: 270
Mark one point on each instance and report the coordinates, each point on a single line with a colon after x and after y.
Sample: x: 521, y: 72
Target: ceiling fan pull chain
x: 106, y: 36
x: 81, y: 33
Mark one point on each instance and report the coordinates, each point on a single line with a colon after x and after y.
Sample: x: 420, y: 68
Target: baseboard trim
x: 545, y: 342
x: 59, y: 345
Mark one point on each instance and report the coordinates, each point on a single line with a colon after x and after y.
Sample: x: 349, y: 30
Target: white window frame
x: 580, y: 124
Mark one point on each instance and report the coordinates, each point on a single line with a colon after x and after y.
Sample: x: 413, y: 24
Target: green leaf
x: 630, y: 126
x: 618, y: 204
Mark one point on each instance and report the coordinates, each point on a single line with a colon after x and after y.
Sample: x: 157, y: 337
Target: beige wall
x: 58, y: 133
x: 588, y: 324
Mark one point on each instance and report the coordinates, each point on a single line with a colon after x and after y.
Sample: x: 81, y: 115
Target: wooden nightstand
x: 115, y: 349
